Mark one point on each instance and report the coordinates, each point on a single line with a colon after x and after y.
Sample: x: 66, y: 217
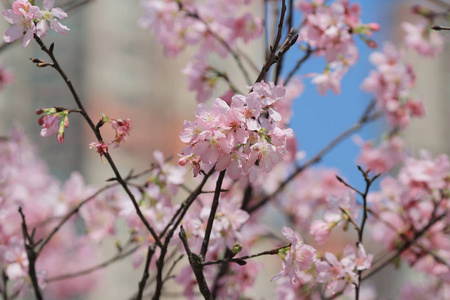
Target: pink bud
x: 60, y: 138
x: 41, y: 120
x: 373, y: 26
x: 372, y: 44
x: 39, y: 111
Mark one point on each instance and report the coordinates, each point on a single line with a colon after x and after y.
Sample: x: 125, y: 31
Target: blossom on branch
x: 28, y: 19
x: 54, y: 120
x: 243, y: 137
x: 298, y: 258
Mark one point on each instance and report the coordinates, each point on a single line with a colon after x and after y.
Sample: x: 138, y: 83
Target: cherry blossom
x: 48, y: 13
x: 392, y: 83
x: 21, y: 17
x: 239, y: 137
x: 383, y: 157
x: 28, y: 19
x: 299, y: 258
x: 54, y: 120
x: 425, y: 41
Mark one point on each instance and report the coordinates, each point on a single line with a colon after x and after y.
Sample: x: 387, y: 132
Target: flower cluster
x: 342, y: 210
x: 383, y: 157
x: 242, y: 138
x: 392, y: 83
x: 420, y: 38
x: 28, y: 20
x: 341, y: 275
x: 418, y: 199
x: 308, y: 194
x: 45, y: 201
x: 180, y: 23
x: 215, y: 25
x: 329, y: 30
x: 298, y: 259
x: 54, y: 120
x: 122, y: 131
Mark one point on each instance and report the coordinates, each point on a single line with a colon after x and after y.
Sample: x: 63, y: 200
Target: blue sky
x: 318, y: 119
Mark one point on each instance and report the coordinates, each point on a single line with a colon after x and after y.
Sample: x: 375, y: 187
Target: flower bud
x: 236, y: 248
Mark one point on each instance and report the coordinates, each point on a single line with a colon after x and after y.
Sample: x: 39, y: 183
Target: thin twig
x: 170, y: 229
x: 146, y: 274
x: 70, y: 214
x: 403, y: 248
x: 300, y: 62
x: 357, y: 126
x: 439, y: 28
x: 104, y: 264
x: 241, y: 260
x: 273, y: 49
x: 369, y: 180
x: 30, y: 248
x: 408, y: 239
x: 169, y: 273
x: 96, y: 131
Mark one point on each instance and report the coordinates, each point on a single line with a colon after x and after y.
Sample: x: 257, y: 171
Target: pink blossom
x: 425, y: 41
x: 50, y: 125
x: 267, y: 155
x: 328, y: 80
x: 21, y: 16
x: 299, y: 258
x: 340, y: 276
x: 362, y: 260
x: 122, y: 129
x: 392, y: 83
x: 101, y: 148
x: 388, y: 154
x: 200, y: 79
x: 50, y: 14
x: 321, y: 230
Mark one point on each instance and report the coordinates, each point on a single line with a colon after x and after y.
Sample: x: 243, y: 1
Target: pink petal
x: 58, y: 13
x: 41, y: 28
x: 13, y: 33
x: 27, y: 38
x: 58, y: 27
x: 48, y: 4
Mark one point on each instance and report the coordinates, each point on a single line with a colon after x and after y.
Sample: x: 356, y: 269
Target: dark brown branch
x: 439, y: 28
x: 169, y: 273
x: 404, y: 237
x: 369, y: 180
x: 170, y: 229
x: 96, y: 131
x: 30, y: 248
x: 404, y: 247
x: 212, y: 214
x: 4, y: 288
x: 289, y: 24
x: 241, y: 260
x: 196, y: 263
x: 146, y: 274
x: 273, y: 49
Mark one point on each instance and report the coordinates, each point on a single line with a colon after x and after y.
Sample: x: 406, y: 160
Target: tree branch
x: 30, y: 246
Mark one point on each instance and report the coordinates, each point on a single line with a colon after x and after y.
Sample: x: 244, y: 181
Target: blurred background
x: 119, y: 69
